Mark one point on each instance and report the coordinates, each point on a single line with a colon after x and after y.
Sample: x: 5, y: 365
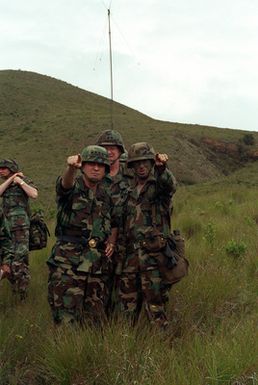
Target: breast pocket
x: 81, y: 204
x: 81, y: 211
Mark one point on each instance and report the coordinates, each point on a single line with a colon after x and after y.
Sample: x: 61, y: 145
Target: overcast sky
x: 188, y: 61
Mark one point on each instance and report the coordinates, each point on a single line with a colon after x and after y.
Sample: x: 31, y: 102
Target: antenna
x: 110, y: 55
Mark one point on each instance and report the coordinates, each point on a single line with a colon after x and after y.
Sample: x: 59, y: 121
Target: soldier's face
x: 94, y: 172
x: 5, y: 172
x: 114, y: 153
x: 142, y: 168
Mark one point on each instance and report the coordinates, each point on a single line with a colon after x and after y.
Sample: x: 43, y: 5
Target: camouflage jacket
x: 119, y: 185
x: 6, y: 247
x: 82, y: 214
x: 16, y: 206
x: 157, y: 192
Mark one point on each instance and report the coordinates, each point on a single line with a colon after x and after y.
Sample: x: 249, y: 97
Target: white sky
x: 188, y: 61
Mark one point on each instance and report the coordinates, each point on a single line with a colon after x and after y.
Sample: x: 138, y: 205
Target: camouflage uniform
x: 16, y: 211
x: 77, y: 286
x: 118, y: 185
x: 6, y: 249
x: 141, y: 279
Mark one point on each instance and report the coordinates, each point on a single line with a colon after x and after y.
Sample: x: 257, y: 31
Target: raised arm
x: 31, y: 191
x: 8, y: 181
x: 73, y: 164
x: 166, y: 180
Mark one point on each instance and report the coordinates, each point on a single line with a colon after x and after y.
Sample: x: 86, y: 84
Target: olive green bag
x: 169, y: 252
x: 39, y: 232
x: 172, y: 262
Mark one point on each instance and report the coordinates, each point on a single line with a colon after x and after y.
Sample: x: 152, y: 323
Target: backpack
x: 39, y: 232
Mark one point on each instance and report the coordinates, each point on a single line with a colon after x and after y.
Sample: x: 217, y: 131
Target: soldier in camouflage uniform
x: 6, y: 249
x: 16, y: 191
x: 118, y: 180
x: 147, y: 224
x: 86, y: 234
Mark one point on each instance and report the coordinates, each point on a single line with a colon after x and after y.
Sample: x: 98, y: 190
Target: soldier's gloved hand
x: 161, y: 159
x: 74, y: 161
x: 5, y: 270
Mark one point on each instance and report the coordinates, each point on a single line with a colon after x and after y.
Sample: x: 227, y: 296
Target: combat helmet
x: 124, y: 157
x: 111, y: 138
x: 96, y: 154
x: 140, y: 151
x: 10, y: 164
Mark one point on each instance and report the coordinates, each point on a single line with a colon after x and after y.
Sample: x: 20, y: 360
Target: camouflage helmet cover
x: 10, y: 164
x: 96, y: 154
x: 140, y: 151
x: 111, y: 138
x: 124, y: 157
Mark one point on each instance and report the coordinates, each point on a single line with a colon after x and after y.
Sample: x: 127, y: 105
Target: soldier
x: 147, y: 224
x: 16, y: 191
x: 86, y: 235
x: 118, y: 180
x: 6, y: 249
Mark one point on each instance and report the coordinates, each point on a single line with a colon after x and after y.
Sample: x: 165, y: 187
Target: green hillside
x: 43, y: 120
x: 212, y: 337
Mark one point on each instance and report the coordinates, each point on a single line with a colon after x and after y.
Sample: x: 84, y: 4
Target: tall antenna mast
x: 110, y: 55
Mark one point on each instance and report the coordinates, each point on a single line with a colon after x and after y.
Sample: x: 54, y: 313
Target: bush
x: 236, y: 249
x: 248, y: 139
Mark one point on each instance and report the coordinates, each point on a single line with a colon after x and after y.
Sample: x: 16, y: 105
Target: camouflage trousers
x: 77, y: 296
x: 165, y: 291
x: 20, y: 275
x: 142, y: 289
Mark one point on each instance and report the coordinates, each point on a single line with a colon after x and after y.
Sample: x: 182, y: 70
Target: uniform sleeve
x: 29, y: 182
x: 60, y: 191
x: 166, y: 182
x: 116, y: 213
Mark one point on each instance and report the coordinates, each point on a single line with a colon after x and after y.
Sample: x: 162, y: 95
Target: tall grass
x: 212, y: 338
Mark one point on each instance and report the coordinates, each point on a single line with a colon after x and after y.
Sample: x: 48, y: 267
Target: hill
x: 43, y: 120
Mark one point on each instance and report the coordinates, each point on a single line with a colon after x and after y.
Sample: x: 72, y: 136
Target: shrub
x: 248, y: 139
x: 236, y: 249
x: 210, y: 234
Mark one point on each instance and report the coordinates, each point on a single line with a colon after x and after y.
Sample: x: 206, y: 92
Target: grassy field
x: 212, y: 338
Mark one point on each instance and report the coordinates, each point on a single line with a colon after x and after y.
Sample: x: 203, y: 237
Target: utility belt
x: 81, y: 238
x: 153, y: 243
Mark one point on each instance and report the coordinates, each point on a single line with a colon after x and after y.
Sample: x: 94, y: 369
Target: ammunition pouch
x: 172, y: 263
x: 154, y: 241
